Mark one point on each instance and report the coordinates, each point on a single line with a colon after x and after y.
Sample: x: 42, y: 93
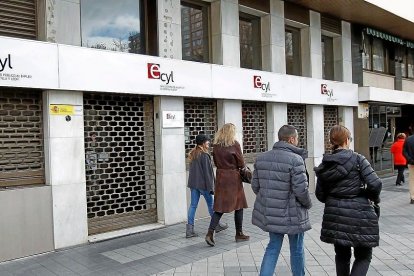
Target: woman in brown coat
x: 229, y: 193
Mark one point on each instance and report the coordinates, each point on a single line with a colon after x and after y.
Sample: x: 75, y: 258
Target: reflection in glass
x: 327, y: 58
x: 250, y: 44
x: 378, y: 57
x: 292, y: 51
x: 194, y: 32
x: 113, y: 25
x: 410, y: 63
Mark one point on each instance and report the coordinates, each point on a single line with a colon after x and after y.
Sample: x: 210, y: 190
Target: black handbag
x: 377, y: 208
x: 246, y: 174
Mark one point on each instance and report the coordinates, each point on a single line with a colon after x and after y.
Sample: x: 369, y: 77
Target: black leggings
x: 400, y: 176
x: 238, y: 220
x: 363, y: 256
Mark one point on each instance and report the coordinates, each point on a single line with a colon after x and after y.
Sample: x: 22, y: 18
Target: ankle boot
x: 210, y: 238
x: 240, y: 237
x: 189, y: 231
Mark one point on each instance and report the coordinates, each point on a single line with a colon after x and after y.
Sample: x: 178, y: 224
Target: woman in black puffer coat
x: 348, y: 185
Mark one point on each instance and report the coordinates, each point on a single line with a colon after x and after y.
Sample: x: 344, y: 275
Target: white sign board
x: 236, y: 83
x: 244, y: 84
x: 25, y: 63
x: 324, y: 92
x: 363, y: 110
x: 172, y: 119
x: 98, y: 70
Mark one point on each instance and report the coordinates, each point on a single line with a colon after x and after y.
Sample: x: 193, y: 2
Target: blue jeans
x: 297, y: 254
x: 195, y: 197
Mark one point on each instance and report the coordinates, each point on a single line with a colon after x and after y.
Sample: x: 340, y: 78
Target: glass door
x: 381, y: 138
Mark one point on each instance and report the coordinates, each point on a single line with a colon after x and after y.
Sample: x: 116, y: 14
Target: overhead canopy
x: 363, y: 13
x: 384, y: 36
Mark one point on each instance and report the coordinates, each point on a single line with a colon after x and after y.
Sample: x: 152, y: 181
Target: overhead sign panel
x: 25, y: 63
x: 97, y: 70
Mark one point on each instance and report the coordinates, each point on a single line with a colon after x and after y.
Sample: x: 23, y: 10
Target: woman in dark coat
x: 229, y: 193
x: 348, y: 186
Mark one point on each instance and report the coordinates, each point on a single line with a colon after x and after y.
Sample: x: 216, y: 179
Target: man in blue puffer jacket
x: 282, y: 200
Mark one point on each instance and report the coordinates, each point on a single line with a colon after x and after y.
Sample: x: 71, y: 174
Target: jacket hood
x: 335, y: 166
x: 282, y: 145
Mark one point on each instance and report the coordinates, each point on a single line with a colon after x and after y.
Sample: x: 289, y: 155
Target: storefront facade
x: 108, y: 120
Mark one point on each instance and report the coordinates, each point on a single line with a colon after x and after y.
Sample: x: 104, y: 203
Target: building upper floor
x: 304, y: 38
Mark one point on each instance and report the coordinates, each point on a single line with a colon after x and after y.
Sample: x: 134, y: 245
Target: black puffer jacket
x: 348, y: 219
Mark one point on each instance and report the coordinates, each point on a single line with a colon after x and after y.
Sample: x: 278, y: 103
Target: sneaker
x: 221, y: 226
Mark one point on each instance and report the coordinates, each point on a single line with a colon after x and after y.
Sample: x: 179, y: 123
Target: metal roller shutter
x: 297, y: 118
x: 21, y: 138
x: 18, y: 18
x: 120, y: 161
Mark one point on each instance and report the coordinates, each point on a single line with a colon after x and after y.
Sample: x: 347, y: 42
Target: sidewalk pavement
x: 167, y: 252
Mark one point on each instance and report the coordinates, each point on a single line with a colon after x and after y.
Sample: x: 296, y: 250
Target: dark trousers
x: 363, y: 256
x: 238, y: 220
x: 400, y: 175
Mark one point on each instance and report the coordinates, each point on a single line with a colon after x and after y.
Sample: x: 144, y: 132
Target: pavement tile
x: 167, y: 252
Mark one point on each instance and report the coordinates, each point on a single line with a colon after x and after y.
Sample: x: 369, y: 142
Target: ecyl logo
x: 258, y: 83
x: 154, y: 72
x: 326, y: 91
x: 4, y: 62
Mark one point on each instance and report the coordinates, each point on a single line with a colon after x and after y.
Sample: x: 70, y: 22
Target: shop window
x: 327, y: 58
x: 378, y: 55
x: 250, y: 43
x: 194, y: 32
x: 366, y: 54
x: 410, y: 63
x: 404, y: 63
x: 292, y: 51
x: 122, y: 26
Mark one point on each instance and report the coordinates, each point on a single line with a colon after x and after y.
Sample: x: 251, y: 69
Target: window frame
x: 331, y: 52
x: 246, y: 17
x: 296, y: 31
x: 206, y: 26
x: 147, y: 18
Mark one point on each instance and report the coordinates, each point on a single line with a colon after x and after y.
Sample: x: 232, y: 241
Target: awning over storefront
x: 373, y: 94
x: 384, y: 36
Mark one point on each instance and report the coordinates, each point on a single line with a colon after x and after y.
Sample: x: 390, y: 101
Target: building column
x: 343, y: 54
x: 59, y: 21
x: 276, y: 118
x: 170, y: 162
x: 65, y: 168
x: 230, y: 111
x: 169, y: 29
x: 311, y: 47
x: 315, y: 140
x: 346, y: 118
x: 273, y: 38
x: 225, y: 32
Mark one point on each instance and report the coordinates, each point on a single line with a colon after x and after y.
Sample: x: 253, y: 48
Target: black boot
x: 210, y: 238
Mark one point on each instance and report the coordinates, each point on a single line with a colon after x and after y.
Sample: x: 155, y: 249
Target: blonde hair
x: 401, y: 135
x: 195, y: 152
x: 226, y: 135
